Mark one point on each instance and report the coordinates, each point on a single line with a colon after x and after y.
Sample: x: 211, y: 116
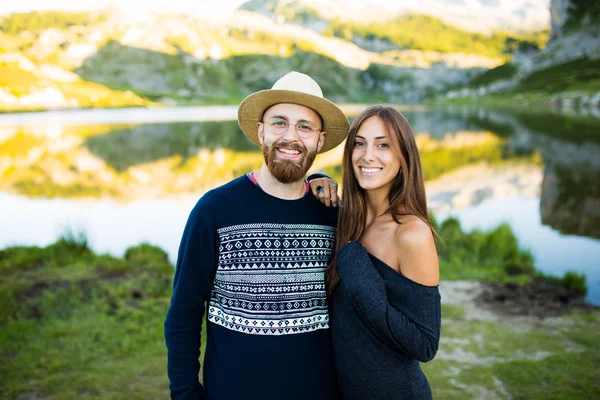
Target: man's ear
x: 321, y: 141
x: 261, y: 132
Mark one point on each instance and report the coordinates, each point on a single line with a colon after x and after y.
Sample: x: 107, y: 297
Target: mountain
x: 564, y: 73
x: 473, y: 15
x: 177, y: 59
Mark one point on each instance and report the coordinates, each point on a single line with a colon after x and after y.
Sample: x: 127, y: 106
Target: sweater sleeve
x: 411, y: 327
x: 317, y: 175
x: 196, y: 265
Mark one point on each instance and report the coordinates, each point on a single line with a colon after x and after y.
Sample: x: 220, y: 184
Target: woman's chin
x: 372, y: 185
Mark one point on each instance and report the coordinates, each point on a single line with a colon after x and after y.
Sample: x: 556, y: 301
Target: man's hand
x: 325, y: 190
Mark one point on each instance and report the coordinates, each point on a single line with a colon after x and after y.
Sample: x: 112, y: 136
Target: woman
x: 384, y: 299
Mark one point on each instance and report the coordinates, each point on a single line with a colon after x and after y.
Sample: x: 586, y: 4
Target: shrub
x: 21, y: 257
x: 146, y: 254
x: 574, y: 281
x: 111, y: 266
x: 69, y: 248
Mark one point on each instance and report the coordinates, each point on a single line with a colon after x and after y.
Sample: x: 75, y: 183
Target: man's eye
x: 305, y: 127
x: 278, y: 123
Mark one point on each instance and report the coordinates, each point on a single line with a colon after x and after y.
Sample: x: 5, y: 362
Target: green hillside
x: 573, y: 83
x: 423, y: 32
x: 35, y: 21
x: 231, y: 79
x: 504, y: 71
x: 582, y: 74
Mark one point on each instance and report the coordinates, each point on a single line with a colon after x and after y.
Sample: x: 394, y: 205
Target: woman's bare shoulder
x: 417, y: 255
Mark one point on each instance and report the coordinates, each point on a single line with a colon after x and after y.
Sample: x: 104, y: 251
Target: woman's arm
x: 412, y: 328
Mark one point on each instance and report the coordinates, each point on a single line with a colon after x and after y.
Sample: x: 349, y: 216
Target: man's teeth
x: 370, y: 170
x: 288, y: 151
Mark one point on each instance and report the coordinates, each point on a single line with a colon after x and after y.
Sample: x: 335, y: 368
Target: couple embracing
x: 306, y: 295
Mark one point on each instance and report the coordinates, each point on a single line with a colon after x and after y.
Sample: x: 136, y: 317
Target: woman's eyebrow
x: 377, y: 138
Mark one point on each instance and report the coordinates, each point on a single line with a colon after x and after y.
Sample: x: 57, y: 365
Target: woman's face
x: 374, y: 158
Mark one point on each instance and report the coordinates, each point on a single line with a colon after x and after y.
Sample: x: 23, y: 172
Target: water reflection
x: 124, y: 148
x: 471, y: 159
x: 571, y: 199
x: 167, y: 159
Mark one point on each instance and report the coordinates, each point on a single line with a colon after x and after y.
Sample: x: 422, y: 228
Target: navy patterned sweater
x: 254, y: 264
x: 382, y: 325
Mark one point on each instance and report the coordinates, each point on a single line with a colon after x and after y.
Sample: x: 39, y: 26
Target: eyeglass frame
x: 288, y: 127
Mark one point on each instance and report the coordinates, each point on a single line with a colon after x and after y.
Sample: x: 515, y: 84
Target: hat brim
x: 252, y: 108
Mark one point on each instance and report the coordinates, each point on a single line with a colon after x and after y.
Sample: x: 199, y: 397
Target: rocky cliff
x: 558, y: 16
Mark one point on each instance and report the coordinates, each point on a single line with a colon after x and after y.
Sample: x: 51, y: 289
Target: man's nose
x: 291, y: 134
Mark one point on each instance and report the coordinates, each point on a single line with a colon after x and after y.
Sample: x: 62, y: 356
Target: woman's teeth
x: 370, y: 170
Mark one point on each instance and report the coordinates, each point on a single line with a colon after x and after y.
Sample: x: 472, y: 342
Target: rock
x: 595, y: 100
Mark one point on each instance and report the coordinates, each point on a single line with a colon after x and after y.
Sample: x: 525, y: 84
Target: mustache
x: 288, y: 145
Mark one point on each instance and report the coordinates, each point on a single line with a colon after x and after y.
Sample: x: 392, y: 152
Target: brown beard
x: 288, y: 171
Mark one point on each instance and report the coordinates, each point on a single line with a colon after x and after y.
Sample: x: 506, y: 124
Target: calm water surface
x: 127, y: 176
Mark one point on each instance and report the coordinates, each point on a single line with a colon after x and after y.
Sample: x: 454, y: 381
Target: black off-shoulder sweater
x: 382, y: 325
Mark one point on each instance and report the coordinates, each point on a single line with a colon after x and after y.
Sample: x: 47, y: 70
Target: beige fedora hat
x: 295, y: 88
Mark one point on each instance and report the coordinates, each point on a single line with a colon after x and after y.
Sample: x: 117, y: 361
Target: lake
x: 130, y: 175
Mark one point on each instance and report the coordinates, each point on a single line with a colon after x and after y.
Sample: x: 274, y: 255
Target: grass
x: 90, y: 354
x: 582, y: 74
x: 80, y: 325
x: 552, y: 359
x: 34, y: 21
x: 424, y: 32
x: 503, y: 72
x: 572, y: 80
x: 75, y: 324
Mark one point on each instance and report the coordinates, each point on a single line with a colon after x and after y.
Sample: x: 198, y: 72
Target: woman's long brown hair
x: 407, y: 193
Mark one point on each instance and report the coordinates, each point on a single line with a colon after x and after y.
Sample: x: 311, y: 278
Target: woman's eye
x: 384, y: 145
x: 358, y: 144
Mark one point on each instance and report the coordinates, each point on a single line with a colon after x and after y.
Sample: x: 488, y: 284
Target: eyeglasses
x: 279, y: 126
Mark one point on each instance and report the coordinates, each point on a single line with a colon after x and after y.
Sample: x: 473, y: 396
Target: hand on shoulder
x: 325, y: 189
x: 417, y: 255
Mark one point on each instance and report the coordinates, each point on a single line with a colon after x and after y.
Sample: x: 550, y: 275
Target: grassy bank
x: 566, y: 85
x: 74, y: 324
x: 80, y: 325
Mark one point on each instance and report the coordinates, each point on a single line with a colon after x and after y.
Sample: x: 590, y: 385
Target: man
x: 255, y: 250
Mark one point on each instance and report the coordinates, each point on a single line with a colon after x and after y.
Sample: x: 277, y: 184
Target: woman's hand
x: 325, y: 189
